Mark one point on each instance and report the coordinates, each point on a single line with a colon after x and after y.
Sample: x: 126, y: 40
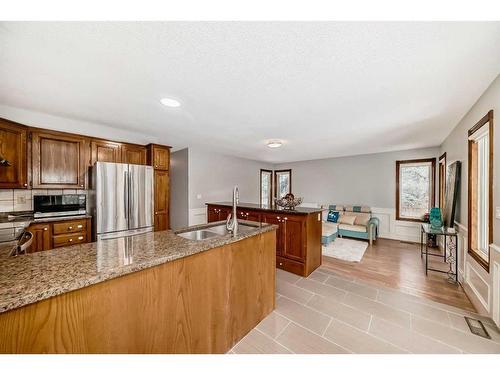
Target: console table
x: 451, y: 259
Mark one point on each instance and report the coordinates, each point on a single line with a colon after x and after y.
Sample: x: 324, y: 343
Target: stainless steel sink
x: 198, y: 235
x: 222, y: 230
x: 213, y: 232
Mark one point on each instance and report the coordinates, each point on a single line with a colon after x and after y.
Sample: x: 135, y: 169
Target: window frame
x: 442, y: 181
x: 271, y: 188
x: 276, y: 181
x: 433, y: 185
x: 487, y: 119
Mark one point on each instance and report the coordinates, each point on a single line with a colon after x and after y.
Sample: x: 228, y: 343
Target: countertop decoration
x: 289, y: 202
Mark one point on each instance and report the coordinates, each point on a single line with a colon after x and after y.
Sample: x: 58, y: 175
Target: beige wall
x: 477, y: 281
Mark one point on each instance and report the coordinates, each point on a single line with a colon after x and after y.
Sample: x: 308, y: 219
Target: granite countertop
x: 277, y: 209
x: 34, y: 277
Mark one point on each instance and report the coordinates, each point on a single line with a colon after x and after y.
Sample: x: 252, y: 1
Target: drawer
x: 69, y: 239
x: 290, y: 266
x: 70, y: 226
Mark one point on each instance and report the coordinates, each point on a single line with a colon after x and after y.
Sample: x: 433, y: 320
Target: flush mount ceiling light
x: 274, y: 143
x: 169, y: 102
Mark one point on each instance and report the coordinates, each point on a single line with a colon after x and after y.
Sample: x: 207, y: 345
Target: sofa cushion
x: 362, y: 218
x: 333, y: 216
x: 336, y: 207
x: 347, y: 219
x: 328, y: 229
x: 354, y: 228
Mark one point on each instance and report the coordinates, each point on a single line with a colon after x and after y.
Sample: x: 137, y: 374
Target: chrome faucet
x: 232, y: 219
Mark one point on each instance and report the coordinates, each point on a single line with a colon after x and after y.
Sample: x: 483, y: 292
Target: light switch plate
x: 497, y: 213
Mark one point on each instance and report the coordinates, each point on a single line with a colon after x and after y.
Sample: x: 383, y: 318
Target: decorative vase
x: 435, y: 218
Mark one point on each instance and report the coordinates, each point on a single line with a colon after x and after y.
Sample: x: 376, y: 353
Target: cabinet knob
x: 25, y: 184
x: 80, y: 226
x: 80, y: 238
x: 70, y: 240
x: 81, y: 185
x: 70, y: 227
x: 281, y: 263
x: 45, y: 228
x: 286, y: 218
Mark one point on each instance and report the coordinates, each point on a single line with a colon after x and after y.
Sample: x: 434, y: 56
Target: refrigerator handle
x: 125, y: 193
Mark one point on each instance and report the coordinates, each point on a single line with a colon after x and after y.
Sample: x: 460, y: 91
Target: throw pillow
x: 333, y: 216
x: 362, y: 219
x: 347, y: 219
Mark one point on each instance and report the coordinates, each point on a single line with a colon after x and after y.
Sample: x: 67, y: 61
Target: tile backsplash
x: 22, y: 199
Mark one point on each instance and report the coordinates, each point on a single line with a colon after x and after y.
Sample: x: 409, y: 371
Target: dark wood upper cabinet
x: 161, y: 200
x: 59, y: 160
x: 133, y: 154
x: 159, y: 157
x: 13, y: 155
x: 105, y: 151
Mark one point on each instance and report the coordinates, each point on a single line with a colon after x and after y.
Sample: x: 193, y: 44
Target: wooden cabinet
x: 250, y: 215
x: 47, y: 236
x: 59, y: 161
x: 105, y: 151
x: 217, y: 213
x: 13, y: 155
x: 293, y: 237
x: 42, y: 237
x: 276, y: 220
x: 298, y: 236
x: 159, y: 157
x: 161, y: 200
x: 133, y: 154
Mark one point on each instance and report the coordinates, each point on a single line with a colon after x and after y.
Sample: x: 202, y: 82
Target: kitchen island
x: 298, y: 237
x: 151, y: 293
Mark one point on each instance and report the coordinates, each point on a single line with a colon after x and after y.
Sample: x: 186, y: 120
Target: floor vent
x: 477, y: 327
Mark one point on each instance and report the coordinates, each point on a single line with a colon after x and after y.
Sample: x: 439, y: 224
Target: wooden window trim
x: 441, y: 184
x: 260, y: 184
x: 276, y: 183
x: 433, y: 187
x: 487, y: 118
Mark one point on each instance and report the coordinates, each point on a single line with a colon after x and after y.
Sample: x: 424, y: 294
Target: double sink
x: 218, y: 230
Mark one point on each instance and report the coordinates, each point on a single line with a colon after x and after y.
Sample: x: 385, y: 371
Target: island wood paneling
x: 203, y: 303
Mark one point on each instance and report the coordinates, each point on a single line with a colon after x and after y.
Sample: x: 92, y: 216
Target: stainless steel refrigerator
x: 123, y: 199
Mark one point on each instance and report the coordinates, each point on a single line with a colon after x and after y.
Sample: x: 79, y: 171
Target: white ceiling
x: 326, y: 89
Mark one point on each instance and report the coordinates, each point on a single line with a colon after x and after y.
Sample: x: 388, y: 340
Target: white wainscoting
x: 197, y: 216
x: 396, y: 229
x: 496, y: 293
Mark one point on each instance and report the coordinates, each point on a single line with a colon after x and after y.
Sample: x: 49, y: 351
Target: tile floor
x: 329, y: 313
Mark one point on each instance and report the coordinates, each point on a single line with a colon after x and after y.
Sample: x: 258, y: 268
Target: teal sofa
x: 355, y: 222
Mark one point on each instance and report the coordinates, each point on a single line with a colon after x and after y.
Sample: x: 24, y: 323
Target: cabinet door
x: 59, y: 161
x: 224, y: 212
x: 105, y: 151
x: 293, y: 235
x: 212, y: 214
x: 42, y: 237
x: 13, y: 157
x: 161, y: 199
x: 161, y: 157
x: 276, y: 220
x: 133, y: 154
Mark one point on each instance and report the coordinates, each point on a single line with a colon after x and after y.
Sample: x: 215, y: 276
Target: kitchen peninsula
x: 151, y: 293
x: 298, y: 237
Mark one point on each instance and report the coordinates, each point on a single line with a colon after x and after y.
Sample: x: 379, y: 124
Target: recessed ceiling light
x: 274, y: 143
x: 169, y: 102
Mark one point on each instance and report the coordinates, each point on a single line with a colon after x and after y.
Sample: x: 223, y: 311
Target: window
x: 283, y: 180
x: 415, y: 188
x: 266, y: 187
x: 480, y: 190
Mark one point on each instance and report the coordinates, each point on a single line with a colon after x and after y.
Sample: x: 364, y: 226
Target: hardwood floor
x: 398, y: 265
